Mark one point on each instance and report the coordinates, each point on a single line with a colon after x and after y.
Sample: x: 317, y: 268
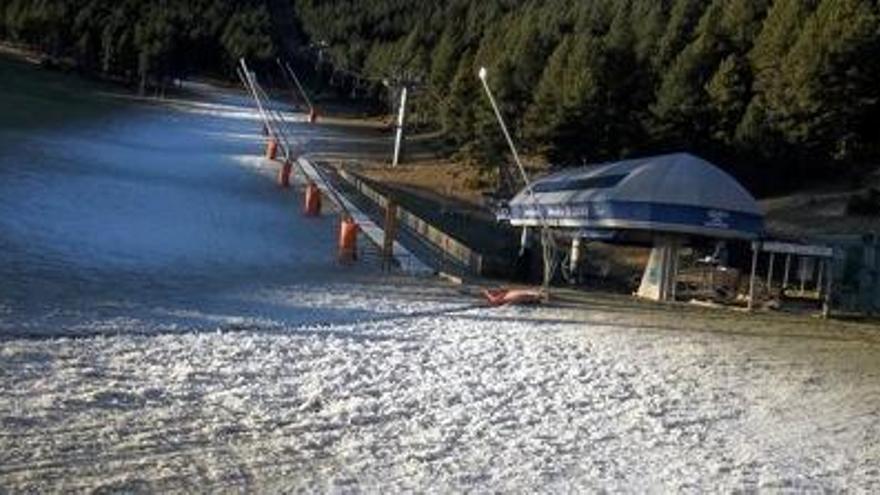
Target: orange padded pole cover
x: 313, y: 200
x: 348, y: 231
x: 271, y: 149
x: 284, y: 174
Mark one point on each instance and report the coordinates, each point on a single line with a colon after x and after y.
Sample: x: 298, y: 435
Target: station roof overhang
x: 677, y: 194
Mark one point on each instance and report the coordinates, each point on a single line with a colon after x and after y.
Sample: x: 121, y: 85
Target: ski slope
x: 171, y: 323
x: 417, y: 390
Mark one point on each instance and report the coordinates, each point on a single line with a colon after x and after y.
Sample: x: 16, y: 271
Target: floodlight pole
x: 483, y: 76
x: 289, y: 70
x: 545, y: 233
x: 248, y: 80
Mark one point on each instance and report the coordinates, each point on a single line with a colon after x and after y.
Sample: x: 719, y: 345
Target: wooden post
x: 755, y: 249
x: 390, y: 235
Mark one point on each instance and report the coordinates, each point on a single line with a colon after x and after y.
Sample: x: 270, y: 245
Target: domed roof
x: 676, y: 193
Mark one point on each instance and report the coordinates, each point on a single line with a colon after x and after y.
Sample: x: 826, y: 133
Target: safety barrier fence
x: 475, y: 262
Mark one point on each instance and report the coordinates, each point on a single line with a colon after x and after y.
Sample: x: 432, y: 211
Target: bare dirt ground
x: 818, y: 212
x: 438, y: 178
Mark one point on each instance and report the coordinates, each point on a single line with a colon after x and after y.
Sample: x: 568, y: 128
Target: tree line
x: 144, y: 42
x: 777, y: 90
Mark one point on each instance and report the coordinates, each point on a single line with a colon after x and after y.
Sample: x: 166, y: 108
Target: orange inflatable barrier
x: 348, y: 231
x: 284, y: 174
x: 313, y: 200
x: 271, y: 149
x: 502, y: 297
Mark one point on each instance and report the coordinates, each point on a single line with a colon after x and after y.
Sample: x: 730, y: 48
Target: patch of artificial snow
x: 507, y: 399
x: 171, y: 322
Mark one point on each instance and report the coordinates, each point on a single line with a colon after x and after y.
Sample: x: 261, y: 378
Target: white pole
x: 279, y: 118
x: 523, y: 240
x: 248, y: 77
x: 575, y: 259
x: 787, y: 270
x: 545, y: 235
x: 299, y: 85
x: 803, y: 274
x: 250, y: 84
x: 269, y: 115
x: 401, y: 121
x: 483, y: 75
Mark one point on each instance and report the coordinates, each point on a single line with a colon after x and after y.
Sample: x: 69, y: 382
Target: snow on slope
x: 471, y: 399
x: 171, y: 323
x: 150, y: 210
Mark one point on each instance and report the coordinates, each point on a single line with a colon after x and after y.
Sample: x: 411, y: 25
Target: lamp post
x: 484, y: 74
x: 546, y: 239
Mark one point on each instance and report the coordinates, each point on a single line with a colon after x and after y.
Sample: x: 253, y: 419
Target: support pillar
x: 524, y: 240
x: 802, y: 273
x: 787, y: 270
x: 756, y: 247
x: 575, y: 259
x: 659, y: 279
x: 401, y: 122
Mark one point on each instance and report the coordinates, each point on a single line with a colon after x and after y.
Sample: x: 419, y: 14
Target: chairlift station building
x: 670, y: 194
x: 662, y: 200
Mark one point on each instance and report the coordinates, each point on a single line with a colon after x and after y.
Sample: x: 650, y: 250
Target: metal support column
x: 401, y: 122
x: 575, y: 259
x: 787, y: 270
x: 755, y: 249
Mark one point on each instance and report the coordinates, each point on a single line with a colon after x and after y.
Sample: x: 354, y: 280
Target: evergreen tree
x: 683, y: 18
x: 778, y: 82
x: 544, y: 117
x: 829, y: 78
x: 458, y: 114
x: 728, y: 93
x: 444, y: 58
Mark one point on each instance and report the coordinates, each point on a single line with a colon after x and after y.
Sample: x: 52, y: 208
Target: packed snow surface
x: 170, y: 322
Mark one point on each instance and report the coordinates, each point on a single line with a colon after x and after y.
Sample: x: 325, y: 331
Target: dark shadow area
x: 303, y: 329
